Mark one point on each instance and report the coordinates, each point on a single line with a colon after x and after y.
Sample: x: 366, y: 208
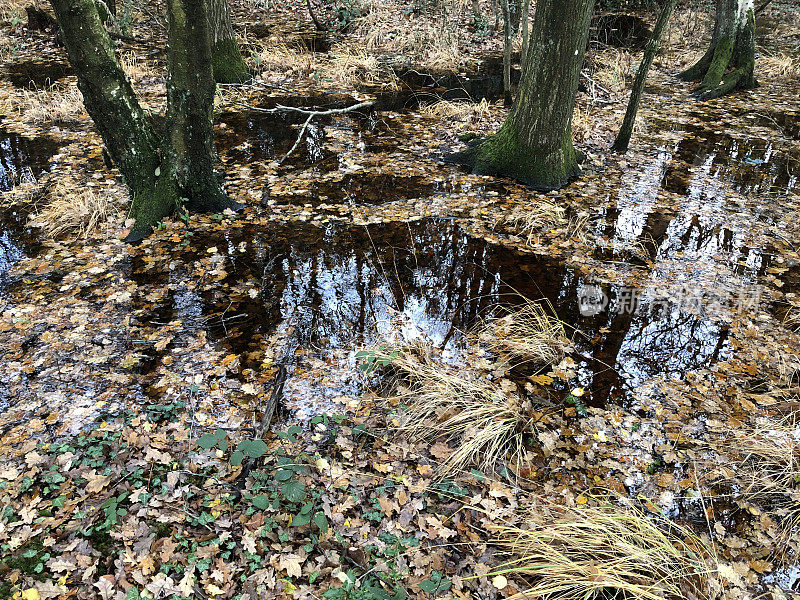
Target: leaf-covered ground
x: 134, y: 379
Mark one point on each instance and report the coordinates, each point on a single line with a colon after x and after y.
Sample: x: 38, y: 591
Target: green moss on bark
x: 227, y: 62
x: 504, y: 154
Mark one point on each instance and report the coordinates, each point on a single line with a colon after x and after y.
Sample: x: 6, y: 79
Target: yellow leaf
x: 581, y: 500
x: 30, y: 594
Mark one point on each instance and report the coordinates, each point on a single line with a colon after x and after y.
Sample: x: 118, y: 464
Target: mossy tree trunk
x: 625, y: 132
x: 729, y: 62
x: 159, y: 172
x: 226, y: 58
x: 190, y: 107
x: 534, y: 145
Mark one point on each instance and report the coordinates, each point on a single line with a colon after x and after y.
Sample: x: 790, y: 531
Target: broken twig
x: 311, y: 114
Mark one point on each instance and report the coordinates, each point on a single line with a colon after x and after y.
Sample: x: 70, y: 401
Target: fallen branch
x: 311, y: 114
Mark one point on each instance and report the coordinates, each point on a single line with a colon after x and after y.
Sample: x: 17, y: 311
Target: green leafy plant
x: 373, y: 359
x: 436, y: 584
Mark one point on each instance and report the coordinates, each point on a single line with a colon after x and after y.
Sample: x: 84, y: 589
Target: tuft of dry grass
x: 13, y: 11
x: 769, y: 471
x: 779, y: 66
x: 614, y: 68
x: 529, y: 334
x: 610, y: 551
x: 485, y: 423
x: 431, y: 40
x: 532, y: 220
x: 346, y: 66
x: 72, y: 209
x: 56, y: 104
x: 471, y: 112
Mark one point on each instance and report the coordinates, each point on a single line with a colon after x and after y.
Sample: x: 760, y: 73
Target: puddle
x: 341, y: 287
x: 24, y: 158
x: 35, y: 73
x: 749, y: 165
x: 379, y: 188
x: 21, y: 158
x: 786, y: 578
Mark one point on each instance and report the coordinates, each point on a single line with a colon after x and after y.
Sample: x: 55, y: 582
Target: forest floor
x: 132, y: 375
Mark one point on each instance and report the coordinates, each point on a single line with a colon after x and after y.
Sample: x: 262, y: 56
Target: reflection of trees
x: 18, y: 153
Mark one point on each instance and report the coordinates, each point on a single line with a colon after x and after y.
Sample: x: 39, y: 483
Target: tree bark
x: 227, y: 61
x: 625, y: 132
x: 506, y: 53
x: 190, y: 106
x: 126, y: 130
x: 160, y: 172
x: 729, y: 62
x: 526, y: 30
x: 534, y: 145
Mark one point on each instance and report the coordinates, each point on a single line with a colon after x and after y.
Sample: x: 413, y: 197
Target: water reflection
x: 342, y: 287
x: 21, y: 159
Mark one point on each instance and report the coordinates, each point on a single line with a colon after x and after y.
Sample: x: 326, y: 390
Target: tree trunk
x: 506, y: 53
x: 534, y: 145
x: 732, y: 47
x: 227, y: 61
x: 126, y: 130
x: 190, y: 106
x: 158, y: 172
x: 526, y: 30
x: 625, y: 132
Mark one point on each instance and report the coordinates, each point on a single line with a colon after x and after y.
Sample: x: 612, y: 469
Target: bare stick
x: 311, y: 114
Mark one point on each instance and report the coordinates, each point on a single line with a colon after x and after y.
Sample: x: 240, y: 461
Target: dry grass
x: 431, y: 40
x: 779, y: 66
x: 346, y: 66
x: 529, y: 334
x: 609, y: 551
x: 13, y: 11
x: 486, y: 424
x: 56, y: 104
x: 72, y: 209
x: 614, y: 69
x: 470, y: 112
x: 136, y: 68
x: 485, y: 421
x: 531, y: 221
x: 769, y: 472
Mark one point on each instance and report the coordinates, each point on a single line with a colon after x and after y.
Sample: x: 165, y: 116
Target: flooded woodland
x: 386, y: 376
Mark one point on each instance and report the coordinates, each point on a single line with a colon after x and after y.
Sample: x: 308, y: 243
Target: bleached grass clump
x: 431, y: 40
x: 351, y: 66
x: 457, y: 110
x: 346, y: 65
x: 534, y: 219
x: 769, y: 472
x: 779, y: 66
x: 55, y: 104
x: 614, y: 68
x: 610, y: 551
x: 72, y: 209
x: 283, y: 58
x: 529, y: 334
x: 485, y: 423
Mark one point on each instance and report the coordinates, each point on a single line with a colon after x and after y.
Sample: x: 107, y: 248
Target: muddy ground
x: 675, y: 272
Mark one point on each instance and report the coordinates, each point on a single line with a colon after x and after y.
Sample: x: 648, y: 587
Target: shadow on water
x: 35, y: 73
x: 21, y: 159
x: 342, y: 287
